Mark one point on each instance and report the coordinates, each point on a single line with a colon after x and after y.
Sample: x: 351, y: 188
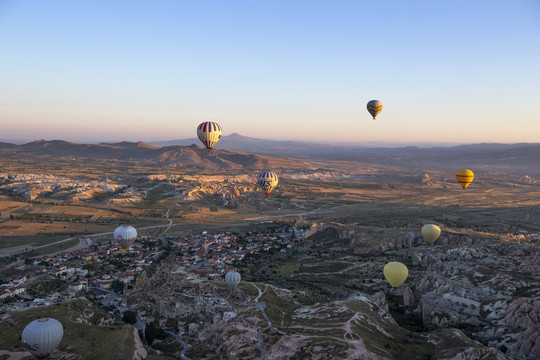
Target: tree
x: 118, y: 286
x: 129, y: 317
x: 152, y: 332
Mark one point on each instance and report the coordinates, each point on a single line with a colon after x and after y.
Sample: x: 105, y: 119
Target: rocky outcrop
x: 486, y: 286
x: 37, y: 186
x: 286, y: 347
x: 477, y: 288
x: 477, y: 354
x: 426, y: 180
x: 139, y: 352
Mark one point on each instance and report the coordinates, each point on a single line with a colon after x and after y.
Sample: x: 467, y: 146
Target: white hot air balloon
x: 125, y: 235
x: 42, y: 336
x: 267, y: 180
x: 209, y: 133
x: 232, y: 279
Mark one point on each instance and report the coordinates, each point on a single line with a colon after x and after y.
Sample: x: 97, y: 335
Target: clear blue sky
x: 446, y: 71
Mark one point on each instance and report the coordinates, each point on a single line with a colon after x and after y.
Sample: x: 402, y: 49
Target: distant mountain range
x: 236, y: 152
x: 486, y: 156
x: 189, y: 157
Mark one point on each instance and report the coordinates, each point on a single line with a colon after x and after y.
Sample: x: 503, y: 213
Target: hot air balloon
x: 209, y: 133
x: 374, y: 107
x: 232, y: 279
x: 395, y: 273
x: 267, y: 180
x: 42, y: 336
x: 125, y: 235
x: 464, y: 177
x: 431, y: 233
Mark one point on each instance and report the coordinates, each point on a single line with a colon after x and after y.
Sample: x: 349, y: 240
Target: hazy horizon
x: 374, y: 144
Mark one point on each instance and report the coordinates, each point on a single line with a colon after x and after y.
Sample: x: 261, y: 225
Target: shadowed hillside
x: 191, y: 157
x: 489, y: 156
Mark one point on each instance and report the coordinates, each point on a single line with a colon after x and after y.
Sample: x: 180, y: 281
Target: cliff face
x: 487, y: 287
x: 228, y: 324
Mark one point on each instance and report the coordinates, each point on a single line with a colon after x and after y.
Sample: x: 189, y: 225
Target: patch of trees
x: 153, y: 331
x: 44, y: 288
x: 129, y: 317
x: 118, y: 286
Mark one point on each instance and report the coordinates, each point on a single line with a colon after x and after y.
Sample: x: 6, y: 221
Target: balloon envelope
x: 268, y: 181
x: 395, y: 273
x: 209, y: 133
x: 125, y: 235
x: 42, y: 336
x: 465, y: 177
x: 374, y: 107
x: 233, y: 279
x: 431, y: 233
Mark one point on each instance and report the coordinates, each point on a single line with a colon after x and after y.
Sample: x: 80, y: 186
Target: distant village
x: 104, y: 268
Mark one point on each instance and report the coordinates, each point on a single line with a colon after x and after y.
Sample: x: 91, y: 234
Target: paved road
x: 37, y: 247
x: 184, y: 344
x: 86, y: 236
x: 259, y: 290
x: 83, y: 244
x: 262, y: 307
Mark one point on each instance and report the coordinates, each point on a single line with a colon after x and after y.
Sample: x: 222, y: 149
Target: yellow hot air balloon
x: 374, y: 107
x: 431, y: 233
x: 464, y: 177
x: 395, y: 273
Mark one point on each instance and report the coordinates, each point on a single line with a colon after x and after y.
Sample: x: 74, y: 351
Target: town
x: 45, y: 280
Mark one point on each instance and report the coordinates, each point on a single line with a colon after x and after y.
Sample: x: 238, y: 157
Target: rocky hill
x: 485, y: 286
x: 217, y: 321
x: 223, y: 190
x: 239, y: 152
x: 185, y: 157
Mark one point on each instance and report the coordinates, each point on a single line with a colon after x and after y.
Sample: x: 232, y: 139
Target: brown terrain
x: 475, y: 294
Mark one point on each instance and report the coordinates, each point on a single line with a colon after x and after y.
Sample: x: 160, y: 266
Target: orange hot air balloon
x: 464, y: 177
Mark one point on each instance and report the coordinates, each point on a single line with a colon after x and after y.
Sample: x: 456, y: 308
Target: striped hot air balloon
x: 268, y: 181
x: 126, y: 236
x: 465, y: 177
x: 395, y: 273
x: 374, y: 107
x: 42, y: 336
x: 431, y: 233
x: 233, y: 279
x: 209, y: 133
